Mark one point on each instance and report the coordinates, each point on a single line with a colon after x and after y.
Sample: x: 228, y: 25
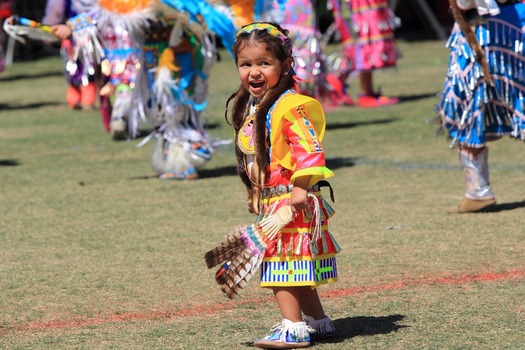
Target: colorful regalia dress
x: 180, y: 51
x: 315, y: 76
x: 300, y: 21
x: 179, y: 88
x: 303, y: 252
x: 108, y: 36
x: 122, y: 26
x: 474, y: 108
x: 367, y: 34
x: 81, y: 61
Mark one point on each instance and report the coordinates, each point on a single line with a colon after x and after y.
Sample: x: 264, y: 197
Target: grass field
x: 96, y: 253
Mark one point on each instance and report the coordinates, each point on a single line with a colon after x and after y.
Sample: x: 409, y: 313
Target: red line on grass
x: 462, y: 279
x: 230, y: 305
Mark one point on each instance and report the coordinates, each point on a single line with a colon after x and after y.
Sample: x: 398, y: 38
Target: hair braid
x: 239, y: 111
x: 260, y: 133
x: 471, y: 39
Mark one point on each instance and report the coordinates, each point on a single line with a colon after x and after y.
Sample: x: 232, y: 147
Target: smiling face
x: 259, y: 69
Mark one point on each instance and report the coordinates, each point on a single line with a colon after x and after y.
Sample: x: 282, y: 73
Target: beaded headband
x: 272, y: 30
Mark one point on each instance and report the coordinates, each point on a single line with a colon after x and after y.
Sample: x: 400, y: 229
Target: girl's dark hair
x: 281, y: 51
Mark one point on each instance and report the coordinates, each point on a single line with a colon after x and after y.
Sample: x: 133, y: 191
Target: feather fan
x: 241, y: 253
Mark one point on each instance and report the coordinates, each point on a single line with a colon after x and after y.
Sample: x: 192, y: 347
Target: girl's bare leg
x: 288, y: 301
x: 310, y: 302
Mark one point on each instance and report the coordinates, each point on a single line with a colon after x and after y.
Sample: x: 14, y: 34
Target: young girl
x: 281, y: 162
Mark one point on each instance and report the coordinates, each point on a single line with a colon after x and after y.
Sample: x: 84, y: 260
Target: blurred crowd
x: 142, y: 62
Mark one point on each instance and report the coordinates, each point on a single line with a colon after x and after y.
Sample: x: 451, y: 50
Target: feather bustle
x: 242, y: 251
x: 241, y: 271
x: 224, y: 251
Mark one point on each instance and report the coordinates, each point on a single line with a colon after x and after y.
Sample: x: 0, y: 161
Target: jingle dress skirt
x: 471, y: 110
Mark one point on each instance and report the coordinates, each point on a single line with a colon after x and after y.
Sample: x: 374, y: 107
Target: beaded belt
x: 276, y: 191
x: 279, y: 190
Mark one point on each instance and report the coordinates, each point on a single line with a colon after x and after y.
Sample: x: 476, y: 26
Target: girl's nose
x: 255, y: 72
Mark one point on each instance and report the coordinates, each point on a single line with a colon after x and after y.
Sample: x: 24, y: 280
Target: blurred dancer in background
x: 81, y: 76
x: 108, y: 36
x: 367, y: 32
x: 315, y: 76
x: 180, y: 50
x: 484, y: 89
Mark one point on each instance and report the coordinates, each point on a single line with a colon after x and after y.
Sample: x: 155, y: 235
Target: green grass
x: 96, y: 253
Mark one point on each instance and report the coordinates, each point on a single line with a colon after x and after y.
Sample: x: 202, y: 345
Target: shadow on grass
x: 212, y: 126
x: 230, y: 170
x: 145, y: 177
x: 350, y: 327
x: 410, y: 98
x: 9, y: 162
x: 496, y: 208
x: 402, y: 99
x: 203, y: 174
x: 337, y: 163
x: 31, y: 76
x: 4, y: 106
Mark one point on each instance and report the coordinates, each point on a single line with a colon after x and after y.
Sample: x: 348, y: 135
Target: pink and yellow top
x: 296, y: 126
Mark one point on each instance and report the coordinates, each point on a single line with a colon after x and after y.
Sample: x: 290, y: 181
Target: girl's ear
x: 287, y: 65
